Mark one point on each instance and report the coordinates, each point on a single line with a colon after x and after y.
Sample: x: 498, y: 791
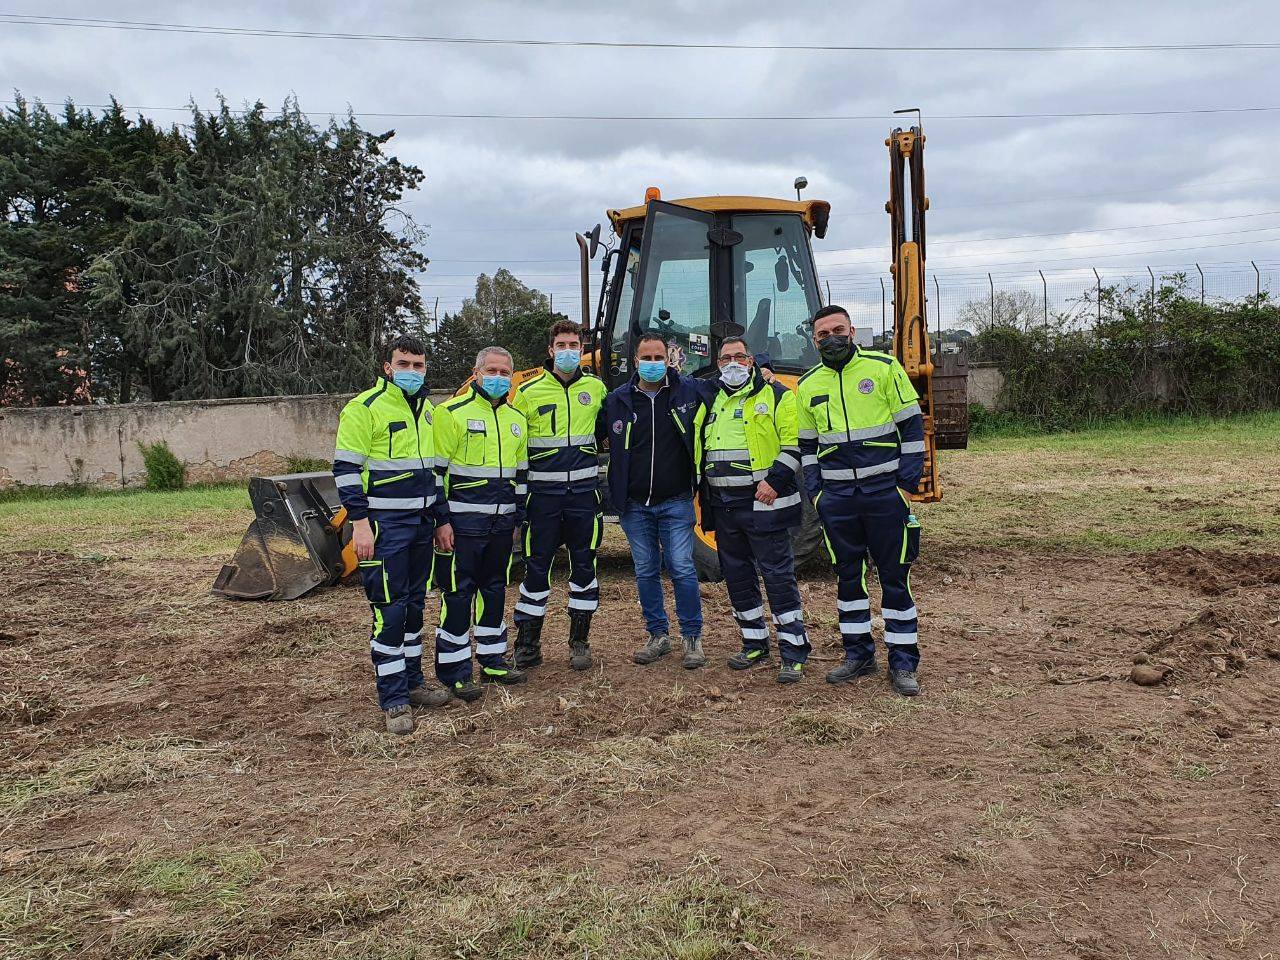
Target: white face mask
x: 735, y: 374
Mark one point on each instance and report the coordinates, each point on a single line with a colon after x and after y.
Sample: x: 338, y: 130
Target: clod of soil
x: 1149, y: 675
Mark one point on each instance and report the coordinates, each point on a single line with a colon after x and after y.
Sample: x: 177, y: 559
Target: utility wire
x: 759, y: 118
x: 932, y: 243
x: 162, y: 27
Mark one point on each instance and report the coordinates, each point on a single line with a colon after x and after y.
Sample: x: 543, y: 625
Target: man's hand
x: 768, y: 375
x: 444, y: 538
x: 766, y: 494
x: 362, y: 537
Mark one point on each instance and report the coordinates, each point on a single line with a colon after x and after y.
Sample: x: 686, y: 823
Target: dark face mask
x: 835, y: 349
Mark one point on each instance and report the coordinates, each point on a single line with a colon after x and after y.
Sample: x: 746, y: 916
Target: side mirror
x: 593, y: 237
x: 782, y: 273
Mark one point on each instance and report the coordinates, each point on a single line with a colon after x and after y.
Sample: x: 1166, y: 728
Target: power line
x: 1085, y: 257
x: 741, y: 118
x: 161, y: 27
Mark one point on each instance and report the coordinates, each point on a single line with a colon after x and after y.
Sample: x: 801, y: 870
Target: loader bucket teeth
x: 294, y: 545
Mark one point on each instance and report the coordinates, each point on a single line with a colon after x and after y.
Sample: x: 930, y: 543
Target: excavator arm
x: 906, y: 208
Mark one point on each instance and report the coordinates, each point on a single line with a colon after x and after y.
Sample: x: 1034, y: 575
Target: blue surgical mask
x: 651, y: 371
x: 495, y: 387
x: 567, y: 360
x: 410, y: 381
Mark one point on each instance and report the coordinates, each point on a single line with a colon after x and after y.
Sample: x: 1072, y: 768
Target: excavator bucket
x: 299, y: 540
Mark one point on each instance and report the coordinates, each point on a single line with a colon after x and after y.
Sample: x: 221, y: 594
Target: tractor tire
x: 806, y: 545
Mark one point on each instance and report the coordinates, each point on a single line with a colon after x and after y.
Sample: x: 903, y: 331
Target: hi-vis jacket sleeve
x: 787, y: 466
x: 807, y: 434
x: 522, y: 473
x: 351, y: 453
x: 905, y: 404
x: 444, y: 429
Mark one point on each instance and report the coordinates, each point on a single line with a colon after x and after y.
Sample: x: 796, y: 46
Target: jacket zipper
x: 653, y: 444
x: 844, y: 407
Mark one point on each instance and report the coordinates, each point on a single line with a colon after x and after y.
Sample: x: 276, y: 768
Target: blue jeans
x: 662, y: 535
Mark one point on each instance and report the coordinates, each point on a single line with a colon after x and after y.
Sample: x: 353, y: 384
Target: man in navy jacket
x: 653, y: 424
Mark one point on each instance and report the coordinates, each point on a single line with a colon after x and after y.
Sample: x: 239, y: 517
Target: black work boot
x: 905, y: 682
x: 746, y: 659
x: 791, y: 672
x: 468, y: 690
x: 529, y: 644
x: 852, y: 670
x: 505, y: 673
x: 579, y: 648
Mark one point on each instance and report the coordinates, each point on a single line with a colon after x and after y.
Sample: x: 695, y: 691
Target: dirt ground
x: 189, y: 777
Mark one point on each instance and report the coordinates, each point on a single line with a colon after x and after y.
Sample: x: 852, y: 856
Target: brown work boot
x: 400, y: 720
x: 693, y: 655
x: 428, y: 698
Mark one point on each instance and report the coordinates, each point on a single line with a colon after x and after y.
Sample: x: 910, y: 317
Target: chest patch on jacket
x: 866, y: 385
x: 476, y: 426
x: 584, y: 398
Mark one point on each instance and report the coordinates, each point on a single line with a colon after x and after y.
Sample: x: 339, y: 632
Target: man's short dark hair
x: 830, y: 310
x: 728, y: 340
x: 563, y: 326
x: 406, y: 343
x: 651, y: 335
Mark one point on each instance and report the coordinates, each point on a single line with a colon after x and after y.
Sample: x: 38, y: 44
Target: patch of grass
x: 226, y: 902
x: 195, y: 522
x: 119, y: 766
x: 194, y: 880
x: 1115, y: 488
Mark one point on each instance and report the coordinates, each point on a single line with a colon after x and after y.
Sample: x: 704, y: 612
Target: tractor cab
x: 706, y: 268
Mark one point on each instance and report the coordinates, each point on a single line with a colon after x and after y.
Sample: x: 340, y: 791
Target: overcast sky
x: 498, y: 192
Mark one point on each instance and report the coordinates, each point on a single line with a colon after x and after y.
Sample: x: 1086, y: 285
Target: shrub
x: 1163, y: 355
x: 298, y: 464
x: 164, y: 470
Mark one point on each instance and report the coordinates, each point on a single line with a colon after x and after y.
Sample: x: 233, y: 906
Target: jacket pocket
x: 398, y: 476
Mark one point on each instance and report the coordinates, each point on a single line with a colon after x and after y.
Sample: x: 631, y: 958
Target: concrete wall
x: 986, y: 383
x: 217, y: 440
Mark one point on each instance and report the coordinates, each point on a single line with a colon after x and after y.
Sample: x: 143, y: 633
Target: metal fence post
x: 1201, y: 272
x: 1257, y: 281
x: 1153, y: 287
x: 937, y: 309
x: 1045, y: 284
x: 829, y: 291
x: 992, y: 284
x: 884, y: 312
x: 1098, y: 280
